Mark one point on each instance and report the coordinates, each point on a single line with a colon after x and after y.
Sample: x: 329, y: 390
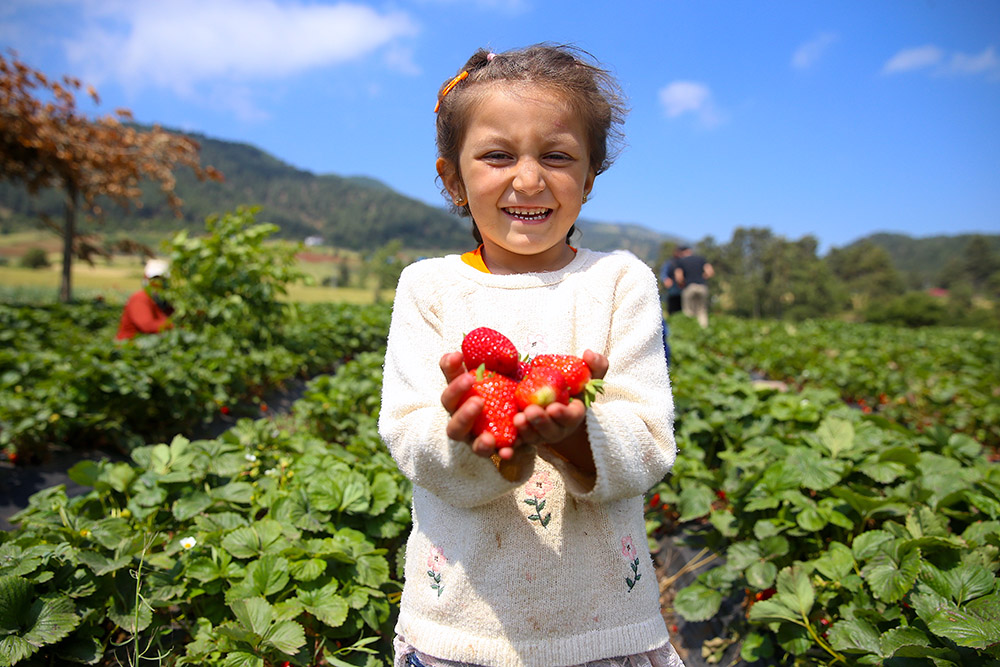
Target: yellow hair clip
x: 451, y: 84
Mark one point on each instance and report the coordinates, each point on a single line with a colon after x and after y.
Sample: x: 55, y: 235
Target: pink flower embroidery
x: 536, y: 488
x: 628, y: 549
x: 538, y: 485
x: 632, y: 557
x: 436, y: 559
x: 435, y: 562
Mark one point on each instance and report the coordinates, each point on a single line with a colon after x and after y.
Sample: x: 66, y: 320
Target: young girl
x: 536, y: 556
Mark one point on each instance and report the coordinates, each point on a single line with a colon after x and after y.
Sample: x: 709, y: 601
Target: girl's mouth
x: 528, y: 214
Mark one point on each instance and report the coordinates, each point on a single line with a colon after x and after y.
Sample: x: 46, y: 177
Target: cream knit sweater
x: 539, y: 571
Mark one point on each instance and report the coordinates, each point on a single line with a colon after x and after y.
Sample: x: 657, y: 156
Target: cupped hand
x: 556, y: 422
x: 465, y: 411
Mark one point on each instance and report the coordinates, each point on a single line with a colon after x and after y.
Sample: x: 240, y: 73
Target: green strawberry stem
x: 591, y: 390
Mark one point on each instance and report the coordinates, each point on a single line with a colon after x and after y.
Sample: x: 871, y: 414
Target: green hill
x: 361, y: 213
x: 923, y: 259
x: 357, y: 213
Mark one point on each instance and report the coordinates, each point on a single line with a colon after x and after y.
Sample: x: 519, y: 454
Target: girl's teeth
x: 529, y: 214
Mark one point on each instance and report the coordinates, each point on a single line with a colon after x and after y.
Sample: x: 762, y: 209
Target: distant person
x: 692, y: 273
x: 146, y: 311
x: 673, y: 290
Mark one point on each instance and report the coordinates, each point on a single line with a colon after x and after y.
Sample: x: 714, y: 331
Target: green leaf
x: 773, y: 609
x: 695, y: 502
x: 191, y: 505
x: 325, y: 605
x: 264, y: 577
x: 27, y: 623
x: 836, y: 434
x: 384, y: 492
x: 761, y: 574
x: 855, y: 636
x: 895, y: 639
x: 976, y: 625
x: 101, y: 564
x: 257, y: 539
x: 815, y: 471
x: 13, y: 649
x: 242, y: 659
x: 795, y: 589
x: 836, y: 563
x: 811, y: 520
x: 697, y: 602
x: 742, y: 555
x: 253, y: 614
x: 308, y: 569
x: 890, y: 578
x: 921, y: 522
x: 869, y: 543
x: 756, y: 647
x: 286, y: 636
x: 240, y: 493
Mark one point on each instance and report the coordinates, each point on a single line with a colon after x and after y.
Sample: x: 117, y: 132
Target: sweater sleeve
x: 630, y: 426
x: 412, y: 420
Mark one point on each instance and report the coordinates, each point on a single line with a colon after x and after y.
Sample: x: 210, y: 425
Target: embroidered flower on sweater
x: 536, y: 488
x: 435, y: 562
x: 631, y: 556
x: 536, y: 344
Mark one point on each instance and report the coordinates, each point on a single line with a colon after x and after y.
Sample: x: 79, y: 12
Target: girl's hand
x: 556, y: 422
x: 563, y: 427
x: 464, y: 413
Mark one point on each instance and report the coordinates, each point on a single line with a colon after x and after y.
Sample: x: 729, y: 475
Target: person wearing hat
x: 146, y: 311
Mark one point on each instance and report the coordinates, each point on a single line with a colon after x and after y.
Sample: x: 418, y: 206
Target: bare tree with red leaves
x: 45, y: 141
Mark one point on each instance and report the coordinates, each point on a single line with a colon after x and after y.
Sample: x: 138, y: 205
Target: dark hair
x: 590, y: 90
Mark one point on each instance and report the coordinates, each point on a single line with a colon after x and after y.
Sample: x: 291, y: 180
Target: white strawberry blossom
x: 188, y: 542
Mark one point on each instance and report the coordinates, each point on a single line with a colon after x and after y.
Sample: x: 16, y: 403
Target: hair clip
x: 490, y: 56
x: 451, y: 84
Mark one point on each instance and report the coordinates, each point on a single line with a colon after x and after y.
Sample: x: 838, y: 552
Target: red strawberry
x: 492, y: 348
x: 499, y: 405
x: 577, y: 374
x: 541, y: 385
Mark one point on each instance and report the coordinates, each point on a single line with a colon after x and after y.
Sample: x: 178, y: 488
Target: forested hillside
x: 361, y: 213
x: 348, y: 212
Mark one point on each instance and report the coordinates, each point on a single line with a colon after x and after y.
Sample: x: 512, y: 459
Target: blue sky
x: 830, y: 118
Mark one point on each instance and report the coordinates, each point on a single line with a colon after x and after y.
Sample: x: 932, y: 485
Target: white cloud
x: 984, y: 62
x: 908, y: 60
x: 181, y: 44
x: 938, y: 62
x: 682, y: 97
x: 809, y: 53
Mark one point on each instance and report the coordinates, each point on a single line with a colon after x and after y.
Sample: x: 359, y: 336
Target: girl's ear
x: 449, y: 176
x: 588, y: 185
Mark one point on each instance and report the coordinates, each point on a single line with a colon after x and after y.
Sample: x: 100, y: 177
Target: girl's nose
x: 528, y: 178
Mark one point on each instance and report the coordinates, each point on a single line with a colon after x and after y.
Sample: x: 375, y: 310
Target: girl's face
x: 524, y: 168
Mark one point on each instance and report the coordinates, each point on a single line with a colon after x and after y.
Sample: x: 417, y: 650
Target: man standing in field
x: 146, y: 311
x: 692, y: 273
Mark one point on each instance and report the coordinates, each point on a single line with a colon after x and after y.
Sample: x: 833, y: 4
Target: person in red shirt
x: 147, y: 311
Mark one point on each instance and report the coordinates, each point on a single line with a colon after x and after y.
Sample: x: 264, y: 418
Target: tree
x: 867, y: 271
x: 50, y: 143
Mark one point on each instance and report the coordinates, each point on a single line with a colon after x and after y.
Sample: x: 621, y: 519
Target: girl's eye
x: 558, y: 157
x: 496, y: 156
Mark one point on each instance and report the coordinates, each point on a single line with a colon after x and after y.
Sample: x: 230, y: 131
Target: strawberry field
x: 843, y: 476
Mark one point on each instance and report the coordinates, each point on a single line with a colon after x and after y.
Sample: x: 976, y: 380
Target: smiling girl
x: 535, y: 557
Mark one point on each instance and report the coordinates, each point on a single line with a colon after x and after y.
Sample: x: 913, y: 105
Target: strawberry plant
x: 268, y: 544
x: 846, y: 537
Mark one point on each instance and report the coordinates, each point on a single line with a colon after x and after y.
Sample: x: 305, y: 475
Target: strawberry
x: 487, y: 346
x: 499, y: 405
x: 577, y: 374
x: 541, y: 385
